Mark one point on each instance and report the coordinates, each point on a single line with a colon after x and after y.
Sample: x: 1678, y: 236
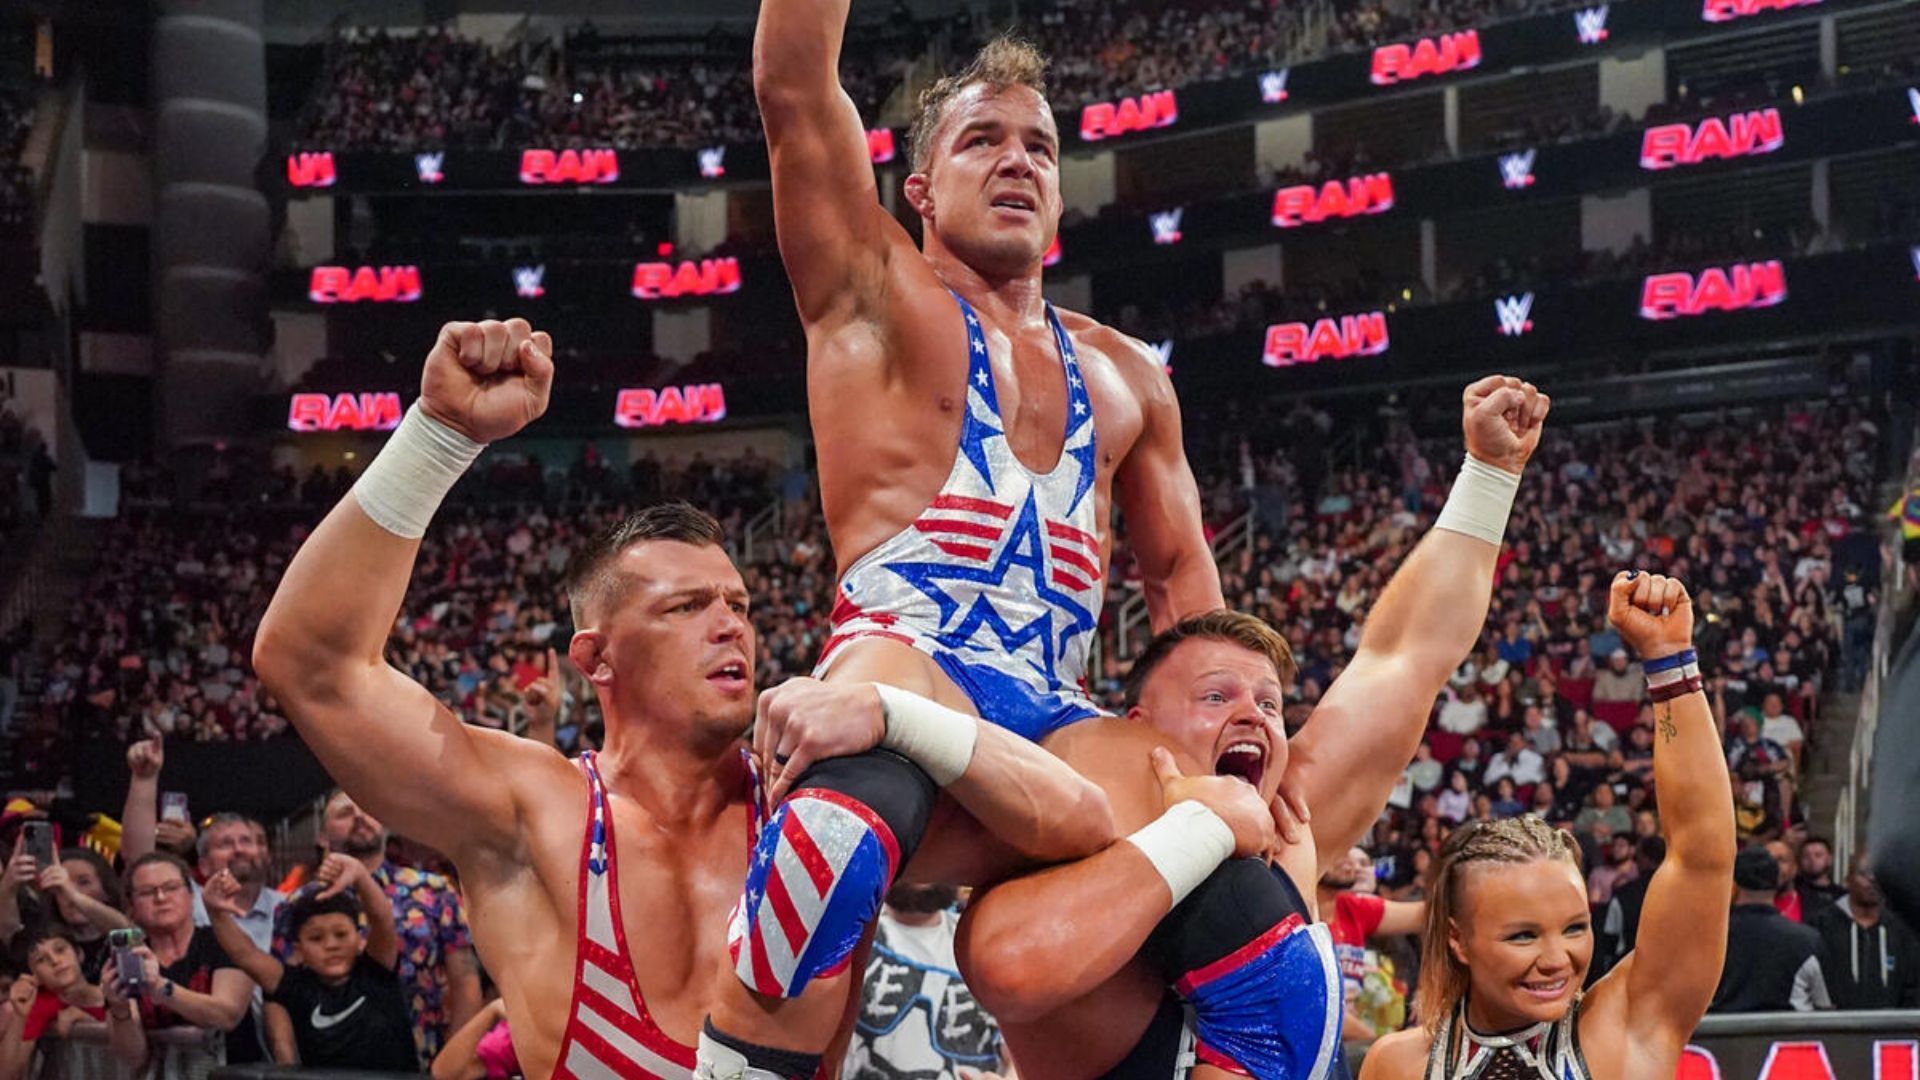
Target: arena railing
x: 1843, y: 1044
x: 765, y: 524
x: 172, y: 1054
x: 1235, y: 536
x: 1849, y: 819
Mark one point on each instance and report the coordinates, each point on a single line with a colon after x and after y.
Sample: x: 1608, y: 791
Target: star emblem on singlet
x: 981, y: 624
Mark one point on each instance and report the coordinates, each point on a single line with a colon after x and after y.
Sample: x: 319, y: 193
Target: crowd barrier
x: 173, y: 1054
x: 1806, y: 1046
x: 1758, y: 1046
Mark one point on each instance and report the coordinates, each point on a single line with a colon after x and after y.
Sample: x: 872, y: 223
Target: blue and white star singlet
x: 999, y: 578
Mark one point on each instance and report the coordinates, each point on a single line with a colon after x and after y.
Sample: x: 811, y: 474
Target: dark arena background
x: 230, y: 231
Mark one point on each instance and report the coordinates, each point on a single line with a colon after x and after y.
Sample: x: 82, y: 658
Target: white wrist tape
x: 1185, y: 844
x: 927, y: 733
x: 410, y: 475
x: 1481, y: 499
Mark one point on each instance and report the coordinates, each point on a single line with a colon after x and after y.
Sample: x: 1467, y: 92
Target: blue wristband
x: 1668, y: 663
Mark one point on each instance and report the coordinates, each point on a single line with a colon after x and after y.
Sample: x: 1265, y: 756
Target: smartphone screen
x: 173, y: 806
x: 132, y: 972
x: 39, y: 842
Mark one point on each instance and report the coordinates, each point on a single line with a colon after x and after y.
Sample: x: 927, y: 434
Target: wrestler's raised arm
x: 1158, y: 497
x: 1358, y: 740
x: 834, y: 235
x: 321, y: 647
x: 1683, y: 925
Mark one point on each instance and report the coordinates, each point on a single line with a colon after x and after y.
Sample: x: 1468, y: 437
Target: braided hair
x: 1512, y: 841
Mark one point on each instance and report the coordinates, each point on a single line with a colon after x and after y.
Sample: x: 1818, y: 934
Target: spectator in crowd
x: 231, y: 843
x: 1787, y: 899
x: 49, y: 1000
x: 1355, y: 917
x: 84, y: 892
x: 1779, y: 727
x: 1588, y: 744
x: 1542, y: 735
x: 1506, y: 801
x: 1620, y: 924
x: 1614, y: 869
x: 916, y: 1016
x: 1465, y: 712
x: 1620, y: 681
x: 1456, y: 802
x: 1603, y: 809
x: 342, y: 1005
x: 1762, y: 771
x: 481, y: 1050
x: 1424, y: 773
x: 437, y: 967
x: 227, y: 841
x: 186, y: 978
x: 1773, y: 964
x: 1815, y: 875
x: 1873, y: 958
x: 1518, y: 763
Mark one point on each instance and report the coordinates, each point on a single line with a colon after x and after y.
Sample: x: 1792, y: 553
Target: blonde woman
x: 1509, y: 937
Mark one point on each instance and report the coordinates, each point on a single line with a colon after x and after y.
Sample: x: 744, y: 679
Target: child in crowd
x: 342, y: 1006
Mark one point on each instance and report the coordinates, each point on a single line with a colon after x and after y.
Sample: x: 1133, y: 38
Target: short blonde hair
x: 1512, y: 841
x: 1250, y: 632
x: 1005, y: 61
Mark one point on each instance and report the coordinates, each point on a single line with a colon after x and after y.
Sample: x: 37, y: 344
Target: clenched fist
x: 487, y: 380
x: 1652, y: 612
x: 1502, y: 417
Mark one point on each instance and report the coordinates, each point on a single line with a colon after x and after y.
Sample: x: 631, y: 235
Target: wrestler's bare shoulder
x: 546, y: 787
x: 1131, y: 358
x: 1399, y: 1056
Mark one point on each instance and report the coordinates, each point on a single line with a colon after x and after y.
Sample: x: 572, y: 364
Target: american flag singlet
x: 610, y: 1033
x: 999, y: 578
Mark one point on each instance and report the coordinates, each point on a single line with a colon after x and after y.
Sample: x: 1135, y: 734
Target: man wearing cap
x: 1773, y: 963
x: 1620, y: 680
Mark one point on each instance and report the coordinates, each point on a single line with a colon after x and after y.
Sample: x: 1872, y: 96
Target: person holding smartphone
x: 80, y: 892
x: 185, y: 977
x: 47, y: 1002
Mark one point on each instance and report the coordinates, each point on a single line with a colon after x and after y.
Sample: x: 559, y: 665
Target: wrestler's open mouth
x: 731, y: 674
x: 1012, y: 201
x: 1246, y: 760
x: 1545, y: 989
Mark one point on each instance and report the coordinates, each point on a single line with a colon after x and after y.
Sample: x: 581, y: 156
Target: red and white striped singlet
x: 610, y: 1033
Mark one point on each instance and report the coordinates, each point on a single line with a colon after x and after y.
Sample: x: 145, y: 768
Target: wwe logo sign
x: 527, y: 281
x: 1164, y: 350
x: 713, y: 162
x: 1273, y: 86
x: 1590, y: 25
x: 1166, y: 226
x: 428, y: 167
x: 1913, y: 99
x: 1915, y: 253
x: 1512, y: 312
x: 1516, y: 170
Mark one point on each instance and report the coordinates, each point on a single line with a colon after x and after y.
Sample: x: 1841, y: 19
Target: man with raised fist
x: 662, y: 636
